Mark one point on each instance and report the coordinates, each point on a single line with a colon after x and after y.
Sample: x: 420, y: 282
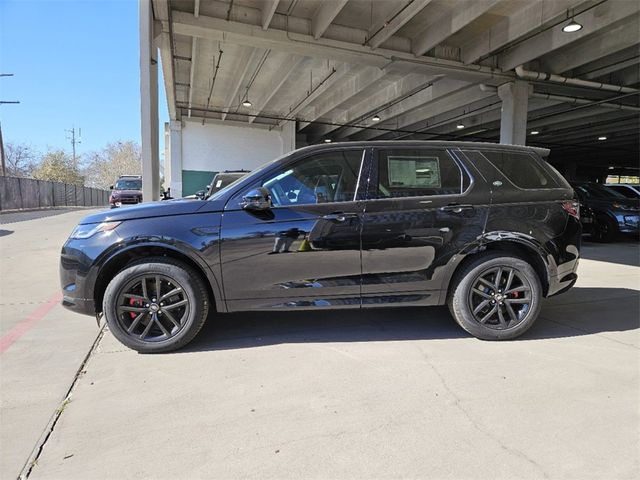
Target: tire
x: 463, y: 299
x: 604, y: 229
x: 130, y: 307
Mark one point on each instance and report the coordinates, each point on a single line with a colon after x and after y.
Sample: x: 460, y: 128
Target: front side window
x: 323, y: 178
x: 417, y: 173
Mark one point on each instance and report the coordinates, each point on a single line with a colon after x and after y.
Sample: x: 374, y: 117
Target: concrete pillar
x: 175, y: 158
x: 149, y: 105
x: 513, y: 119
x: 288, y: 136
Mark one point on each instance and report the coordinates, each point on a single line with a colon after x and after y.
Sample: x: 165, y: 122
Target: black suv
x: 487, y: 229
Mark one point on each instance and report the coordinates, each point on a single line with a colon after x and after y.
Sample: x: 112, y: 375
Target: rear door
x: 422, y: 208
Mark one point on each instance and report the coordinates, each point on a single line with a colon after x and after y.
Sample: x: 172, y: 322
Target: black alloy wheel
x: 152, y: 307
x: 156, y: 304
x: 500, y: 297
x: 495, y: 296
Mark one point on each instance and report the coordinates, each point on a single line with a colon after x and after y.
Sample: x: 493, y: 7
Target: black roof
x: 543, y: 152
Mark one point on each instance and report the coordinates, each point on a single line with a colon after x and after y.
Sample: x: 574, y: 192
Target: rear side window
x: 522, y: 169
x: 417, y: 173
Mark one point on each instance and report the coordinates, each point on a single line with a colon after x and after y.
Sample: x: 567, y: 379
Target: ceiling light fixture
x: 246, y: 103
x: 459, y: 126
x: 602, y: 137
x: 572, y: 27
x: 534, y: 132
x: 376, y: 118
x: 611, y: 168
x: 327, y: 140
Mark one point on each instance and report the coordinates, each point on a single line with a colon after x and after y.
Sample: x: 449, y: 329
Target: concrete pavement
x: 378, y: 394
x: 41, y: 346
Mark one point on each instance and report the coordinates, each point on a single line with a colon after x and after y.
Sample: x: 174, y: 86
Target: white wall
x: 216, y: 147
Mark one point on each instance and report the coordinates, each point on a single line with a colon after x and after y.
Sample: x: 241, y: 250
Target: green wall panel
x: 194, y: 180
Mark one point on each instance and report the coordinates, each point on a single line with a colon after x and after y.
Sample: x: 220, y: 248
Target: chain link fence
x: 21, y: 193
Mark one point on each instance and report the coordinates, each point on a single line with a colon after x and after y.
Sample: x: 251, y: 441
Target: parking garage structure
x: 249, y: 80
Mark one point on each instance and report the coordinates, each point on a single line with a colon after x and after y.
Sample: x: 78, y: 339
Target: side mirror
x: 200, y: 194
x: 257, y: 200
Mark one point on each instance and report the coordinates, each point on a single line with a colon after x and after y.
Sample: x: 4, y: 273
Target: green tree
x: 58, y: 166
x: 118, y: 158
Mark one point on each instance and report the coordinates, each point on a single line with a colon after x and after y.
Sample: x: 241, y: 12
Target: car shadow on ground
x: 14, y: 217
x: 581, y: 311
x: 626, y: 251
x: 4, y: 233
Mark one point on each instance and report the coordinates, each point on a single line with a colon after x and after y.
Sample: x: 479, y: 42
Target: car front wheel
x: 156, y: 305
x: 496, y: 297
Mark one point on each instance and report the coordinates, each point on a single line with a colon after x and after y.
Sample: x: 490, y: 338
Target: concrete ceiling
x: 332, y: 65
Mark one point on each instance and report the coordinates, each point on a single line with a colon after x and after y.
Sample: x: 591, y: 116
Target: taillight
x: 572, y: 208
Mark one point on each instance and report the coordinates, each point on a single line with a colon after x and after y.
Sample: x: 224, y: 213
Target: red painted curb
x: 23, y: 327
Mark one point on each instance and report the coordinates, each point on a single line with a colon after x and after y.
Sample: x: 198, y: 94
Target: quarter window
x: 521, y: 169
x: 323, y: 178
x: 417, y: 173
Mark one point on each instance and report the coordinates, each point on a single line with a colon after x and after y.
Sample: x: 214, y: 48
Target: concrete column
x: 149, y: 105
x: 288, y: 136
x: 513, y: 119
x: 175, y: 158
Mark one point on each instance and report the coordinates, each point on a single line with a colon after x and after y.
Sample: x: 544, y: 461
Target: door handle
x: 456, y: 208
x: 339, y: 217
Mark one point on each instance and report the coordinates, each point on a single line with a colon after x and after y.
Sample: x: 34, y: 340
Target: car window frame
x: 529, y: 154
x: 257, y: 182
x: 375, y: 165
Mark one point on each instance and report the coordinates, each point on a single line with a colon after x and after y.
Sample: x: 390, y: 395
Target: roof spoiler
x: 543, y: 152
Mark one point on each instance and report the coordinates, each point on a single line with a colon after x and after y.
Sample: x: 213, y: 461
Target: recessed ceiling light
x: 327, y: 140
x: 611, y: 168
x: 246, y: 103
x: 459, y: 126
x: 602, y: 137
x: 376, y: 118
x: 571, y: 27
x: 534, y: 132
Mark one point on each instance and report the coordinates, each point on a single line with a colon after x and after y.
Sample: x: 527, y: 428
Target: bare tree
x: 20, y: 159
x: 119, y: 158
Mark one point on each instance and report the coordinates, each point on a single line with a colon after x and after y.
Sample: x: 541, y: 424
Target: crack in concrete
x: 474, y: 423
x: 32, y: 461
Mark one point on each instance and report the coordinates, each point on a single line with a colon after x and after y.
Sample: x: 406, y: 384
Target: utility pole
x: 3, y: 102
x: 74, y: 141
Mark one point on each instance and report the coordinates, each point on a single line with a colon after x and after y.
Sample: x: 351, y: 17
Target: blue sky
x: 74, y: 63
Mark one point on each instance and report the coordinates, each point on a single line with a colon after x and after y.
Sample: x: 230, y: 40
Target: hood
x: 127, y: 192
x: 153, y: 209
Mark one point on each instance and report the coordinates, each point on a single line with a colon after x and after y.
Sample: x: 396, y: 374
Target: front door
x: 304, y: 251
x: 420, y: 212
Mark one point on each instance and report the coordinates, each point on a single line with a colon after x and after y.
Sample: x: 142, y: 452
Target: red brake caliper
x: 134, y: 303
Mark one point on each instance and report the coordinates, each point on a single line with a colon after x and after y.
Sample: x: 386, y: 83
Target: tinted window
x: 322, y: 178
x: 521, y: 169
x: 597, y: 191
x: 417, y: 173
x: 626, y: 191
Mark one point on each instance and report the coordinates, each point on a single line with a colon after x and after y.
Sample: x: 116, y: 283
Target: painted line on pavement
x: 25, y: 325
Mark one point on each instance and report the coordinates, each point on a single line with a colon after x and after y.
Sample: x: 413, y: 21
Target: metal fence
x: 19, y: 193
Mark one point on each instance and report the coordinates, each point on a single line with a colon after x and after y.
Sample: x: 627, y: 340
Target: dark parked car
x: 126, y: 191
x: 629, y: 191
x: 487, y: 229
x: 612, y: 212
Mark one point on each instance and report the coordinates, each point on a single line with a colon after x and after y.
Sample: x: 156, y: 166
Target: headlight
x: 627, y: 208
x: 86, y: 231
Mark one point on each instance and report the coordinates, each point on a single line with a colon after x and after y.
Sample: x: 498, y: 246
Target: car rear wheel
x: 496, y: 297
x: 156, y: 305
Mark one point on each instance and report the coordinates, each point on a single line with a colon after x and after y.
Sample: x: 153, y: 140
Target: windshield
x: 258, y: 170
x: 599, y: 191
x: 128, y: 185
